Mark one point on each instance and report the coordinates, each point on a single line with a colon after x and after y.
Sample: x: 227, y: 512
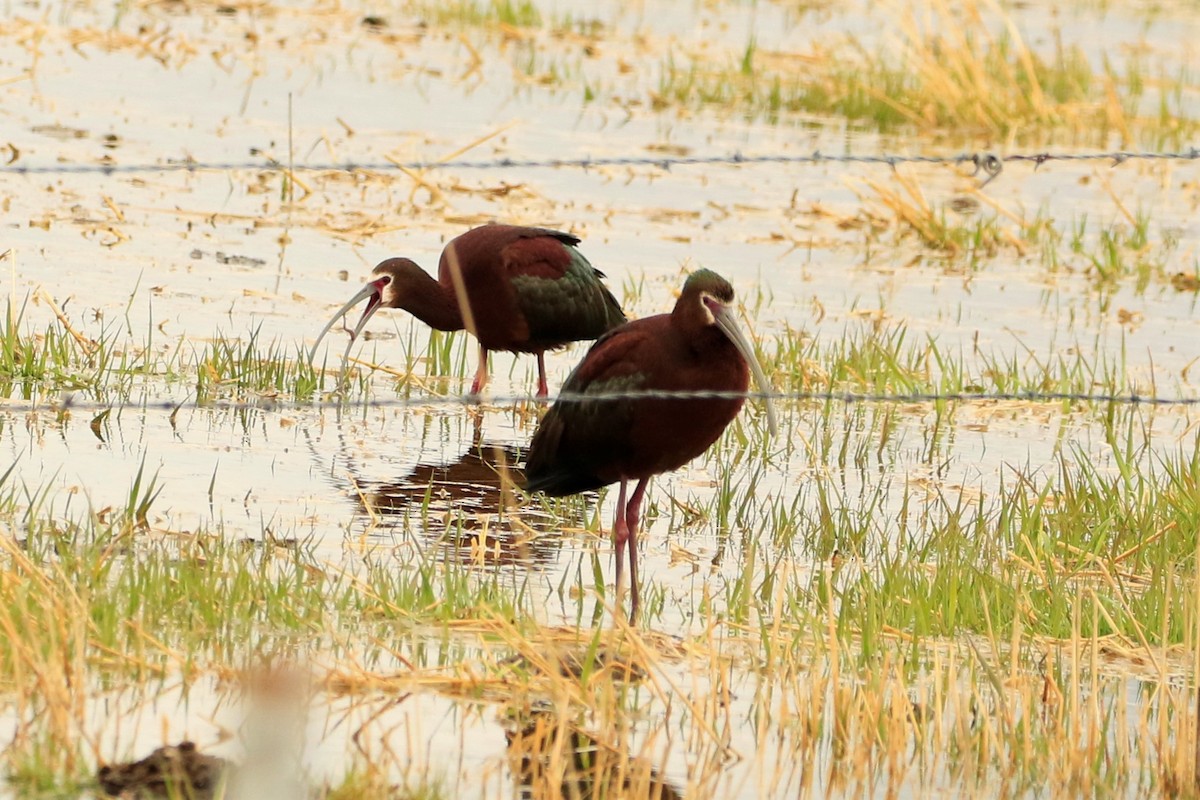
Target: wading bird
x: 524, y: 290
x: 583, y: 443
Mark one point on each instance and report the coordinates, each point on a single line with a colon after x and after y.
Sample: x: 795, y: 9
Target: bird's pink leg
x: 543, y: 389
x: 481, y: 375
x: 620, y: 538
x: 633, y: 514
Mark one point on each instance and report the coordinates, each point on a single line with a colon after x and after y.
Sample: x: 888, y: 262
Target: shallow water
x: 171, y: 259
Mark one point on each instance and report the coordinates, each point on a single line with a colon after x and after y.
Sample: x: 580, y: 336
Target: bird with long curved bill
x: 514, y: 288
x: 600, y: 431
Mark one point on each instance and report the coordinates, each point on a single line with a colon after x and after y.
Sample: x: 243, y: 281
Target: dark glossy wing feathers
x: 585, y: 443
x: 559, y: 293
x: 579, y: 443
x: 529, y: 288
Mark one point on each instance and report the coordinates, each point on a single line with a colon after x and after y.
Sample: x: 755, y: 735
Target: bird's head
x: 707, y: 299
x: 715, y: 294
x: 381, y: 291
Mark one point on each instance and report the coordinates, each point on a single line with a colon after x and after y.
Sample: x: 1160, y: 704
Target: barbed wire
x: 271, y: 402
x: 987, y: 163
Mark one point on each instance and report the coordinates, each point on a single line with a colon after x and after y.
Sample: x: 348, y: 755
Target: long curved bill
x: 373, y: 294
x: 728, y: 325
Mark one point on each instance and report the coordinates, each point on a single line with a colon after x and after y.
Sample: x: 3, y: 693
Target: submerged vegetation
x: 870, y: 356
x: 962, y: 235
x: 969, y: 82
x: 959, y: 73
x: 483, y: 13
x: 966, y: 565
x: 972, y: 72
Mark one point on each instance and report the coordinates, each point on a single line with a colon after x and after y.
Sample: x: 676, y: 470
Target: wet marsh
x: 342, y: 590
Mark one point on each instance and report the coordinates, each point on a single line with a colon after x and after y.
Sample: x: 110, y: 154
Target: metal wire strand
x: 68, y: 402
x: 984, y: 162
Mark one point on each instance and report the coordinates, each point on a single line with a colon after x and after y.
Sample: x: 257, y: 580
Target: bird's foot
x: 481, y: 373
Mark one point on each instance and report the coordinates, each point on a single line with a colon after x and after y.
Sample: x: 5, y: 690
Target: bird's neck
x: 431, y: 302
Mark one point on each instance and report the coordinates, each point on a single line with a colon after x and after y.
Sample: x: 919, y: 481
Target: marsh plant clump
x: 955, y: 73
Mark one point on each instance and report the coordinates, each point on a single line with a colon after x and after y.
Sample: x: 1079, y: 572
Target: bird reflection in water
x: 552, y: 758
x: 468, y: 507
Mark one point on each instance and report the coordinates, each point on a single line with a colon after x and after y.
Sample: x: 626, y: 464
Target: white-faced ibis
x: 584, y: 444
x: 524, y: 290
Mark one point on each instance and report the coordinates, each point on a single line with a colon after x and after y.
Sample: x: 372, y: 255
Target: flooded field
x: 341, y: 590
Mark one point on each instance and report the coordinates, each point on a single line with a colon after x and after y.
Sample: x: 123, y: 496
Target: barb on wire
x: 988, y: 163
x: 271, y: 402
